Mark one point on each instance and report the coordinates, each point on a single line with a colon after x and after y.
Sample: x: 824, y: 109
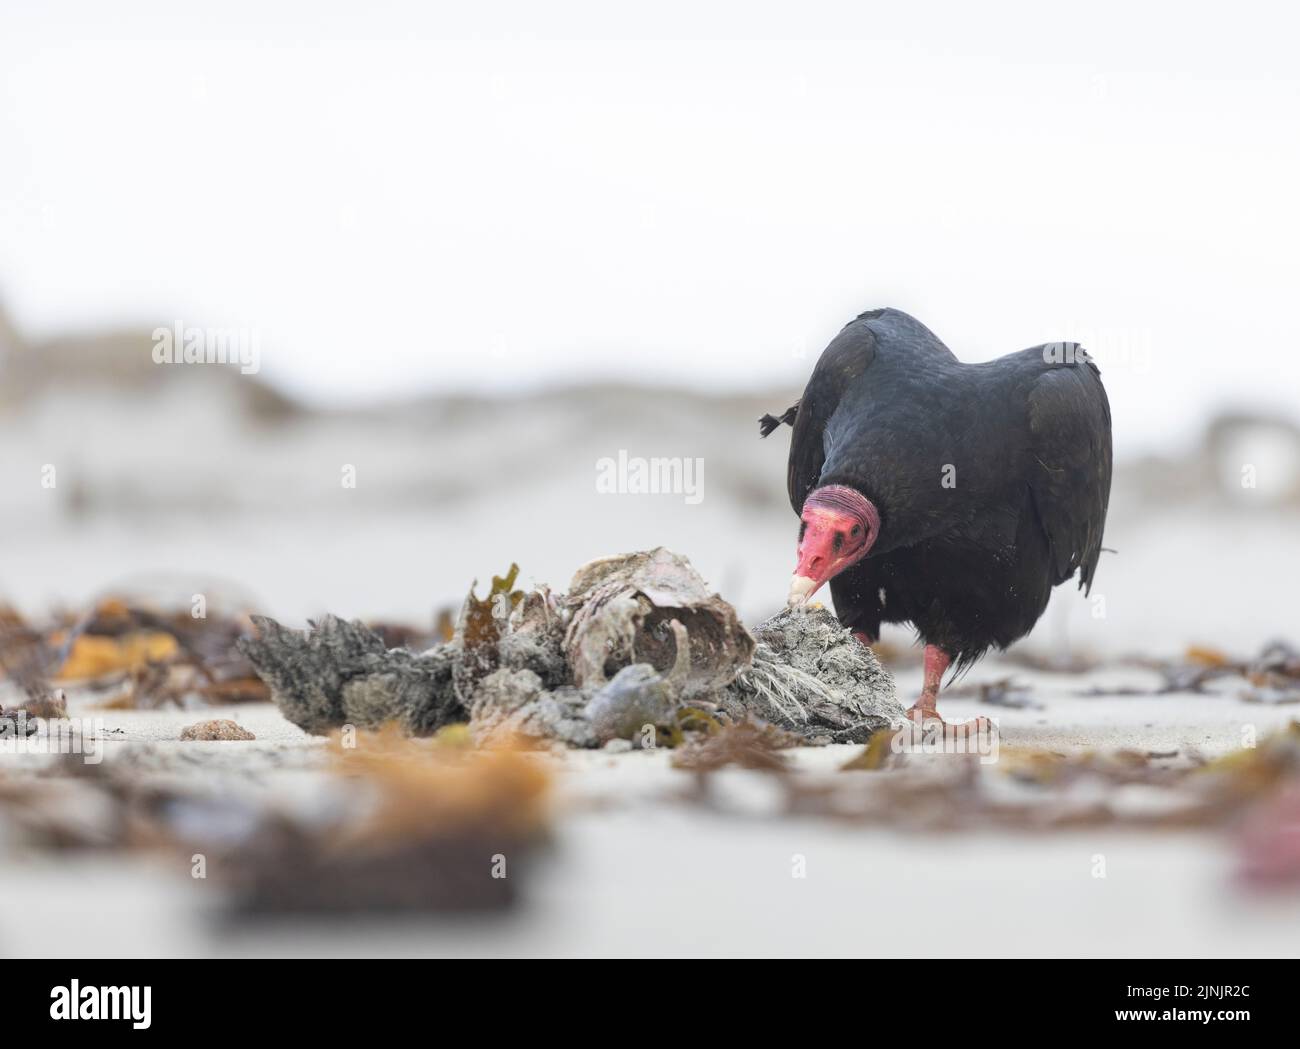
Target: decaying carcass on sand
x: 637, y: 649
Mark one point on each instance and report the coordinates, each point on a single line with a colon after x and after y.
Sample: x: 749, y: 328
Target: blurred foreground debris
x: 1270, y: 842
x: 637, y: 649
x: 438, y: 828
x: 396, y: 824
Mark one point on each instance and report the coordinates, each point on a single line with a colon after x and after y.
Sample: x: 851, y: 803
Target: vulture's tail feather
x: 770, y: 422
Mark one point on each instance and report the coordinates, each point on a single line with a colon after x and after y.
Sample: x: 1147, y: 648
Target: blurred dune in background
x: 178, y: 478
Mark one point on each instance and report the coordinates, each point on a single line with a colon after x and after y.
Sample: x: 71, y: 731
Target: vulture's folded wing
x: 1069, y: 422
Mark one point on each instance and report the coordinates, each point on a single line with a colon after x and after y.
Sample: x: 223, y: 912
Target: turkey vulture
x: 947, y: 495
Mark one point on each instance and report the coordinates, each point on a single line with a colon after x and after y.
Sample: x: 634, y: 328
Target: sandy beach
x: 637, y: 867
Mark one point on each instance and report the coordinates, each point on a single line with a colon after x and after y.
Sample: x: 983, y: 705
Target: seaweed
x: 747, y: 744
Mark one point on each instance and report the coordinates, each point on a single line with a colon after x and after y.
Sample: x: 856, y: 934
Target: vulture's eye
x: 857, y: 531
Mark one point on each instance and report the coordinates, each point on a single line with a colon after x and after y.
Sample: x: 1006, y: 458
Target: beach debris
x: 149, y: 658
x: 26, y: 655
x: 1032, y: 789
x: 875, y: 755
x: 1273, y: 676
x: 1002, y: 692
x: 533, y: 638
x: 66, y: 813
x: 747, y: 744
x: 653, y: 607
x: 426, y: 827
x: 25, y: 663
x: 1271, y: 696
x: 393, y: 823
x: 40, y: 702
x: 636, y: 697
x: 480, y: 628
x: 16, y: 723
x: 339, y: 673
x: 1269, y: 842
x: 47, y: 703
x: 811, y: 676
x: 93, y: 656
x: 515, y: 704
x: 638, y: 649
x: 216, y: 729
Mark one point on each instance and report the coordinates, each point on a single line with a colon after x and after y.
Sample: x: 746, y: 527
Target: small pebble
x: 220, y: 728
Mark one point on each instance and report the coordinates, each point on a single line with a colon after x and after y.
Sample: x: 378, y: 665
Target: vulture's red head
x: 839, y: 527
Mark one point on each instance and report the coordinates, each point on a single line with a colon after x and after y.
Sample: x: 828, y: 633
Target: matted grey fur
x: 812, y: 676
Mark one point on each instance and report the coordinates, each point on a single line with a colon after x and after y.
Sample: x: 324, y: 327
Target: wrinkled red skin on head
x: 839, y: 527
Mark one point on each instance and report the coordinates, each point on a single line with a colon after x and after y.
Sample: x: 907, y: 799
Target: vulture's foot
x: 923, y: 715
x: 925, y: 711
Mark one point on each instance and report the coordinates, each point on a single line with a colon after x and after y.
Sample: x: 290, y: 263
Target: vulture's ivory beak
x: 801, y: 588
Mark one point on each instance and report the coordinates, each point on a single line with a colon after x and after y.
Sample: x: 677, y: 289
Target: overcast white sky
x: 448, y: 196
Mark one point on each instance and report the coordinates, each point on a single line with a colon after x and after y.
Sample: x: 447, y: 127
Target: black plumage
x: 991, y: 480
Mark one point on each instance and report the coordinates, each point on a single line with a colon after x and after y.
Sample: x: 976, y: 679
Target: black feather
x: 768, y: 423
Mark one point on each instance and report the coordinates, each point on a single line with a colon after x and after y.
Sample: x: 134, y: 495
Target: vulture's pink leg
x: 936, y: 662
x: 926, y: 708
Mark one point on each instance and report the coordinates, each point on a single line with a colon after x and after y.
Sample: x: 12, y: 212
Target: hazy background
x: 420, y: 209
